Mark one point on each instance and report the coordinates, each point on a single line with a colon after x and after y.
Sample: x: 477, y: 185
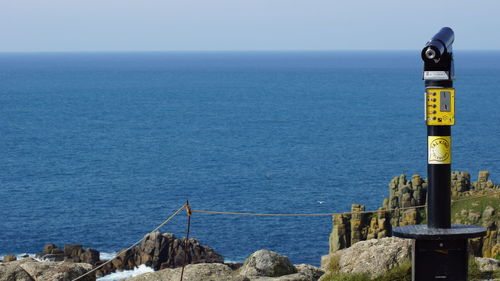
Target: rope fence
x: 133, y: 245
x: 190, y: 211
x: 331, y: 214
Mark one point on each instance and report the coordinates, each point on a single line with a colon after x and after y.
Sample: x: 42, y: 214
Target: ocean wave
x: 107, y: 256
x: 126, y: 274
x: 103, y: 256
x: 21, y: 256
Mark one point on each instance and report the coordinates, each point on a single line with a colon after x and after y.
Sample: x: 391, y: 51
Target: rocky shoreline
x: 372, y: 258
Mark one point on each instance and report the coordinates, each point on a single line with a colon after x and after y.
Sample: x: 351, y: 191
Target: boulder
x: 488, y: 212
x: 267, y: 263
x: 73, y: 251
x: 194, y: 272
x: 305, y: 272
x: 9, y: 258
x: 58, y: 271
x: 486, y: 264
x: 474, y: 217
x: 311, y: 272
x: 51, y: 249
x: 373, y: 257
x: 12, y: 271
x: 90, y: 256
x: 222, y: 272
x: 31, y: 270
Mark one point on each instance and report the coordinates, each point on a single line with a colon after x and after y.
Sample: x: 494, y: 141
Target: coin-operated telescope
x: 438, y: 57
x: 440, y: 248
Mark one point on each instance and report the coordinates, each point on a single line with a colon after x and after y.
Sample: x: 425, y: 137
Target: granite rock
x: 487, y: 264
x: 349, y: 228
x: 193, y: 272
x: 9, y: 258
x: 161, y: 251
x: 31, y: 270
x: 267, y: 263
x: 372, y: 257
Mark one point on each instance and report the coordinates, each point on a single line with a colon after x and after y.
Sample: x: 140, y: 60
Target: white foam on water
x: 126, y: 274
x: 21, y: 256
x: 107, y: 256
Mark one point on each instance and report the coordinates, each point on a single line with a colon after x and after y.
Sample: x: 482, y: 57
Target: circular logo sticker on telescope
x: 439, y: 150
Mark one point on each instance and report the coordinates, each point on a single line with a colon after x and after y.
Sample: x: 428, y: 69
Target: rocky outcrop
x: 72, y: 252
x: 32, y: 270
x: 13, y: 271
x: 157, y: 250
x: 9, y: 258
x: 350, y: 228
x: 263, y: 265
x: 486, y: 264
x: 309, y: 272
x: 161, y: 251
x: 57, y: 271
x: 373, y: 257
x: 267, y: 263
x: 356, y: 226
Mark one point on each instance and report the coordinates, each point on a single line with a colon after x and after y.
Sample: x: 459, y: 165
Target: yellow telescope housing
x: 440, y: 106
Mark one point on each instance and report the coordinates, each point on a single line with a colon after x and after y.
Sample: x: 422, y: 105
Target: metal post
x: 439, y: 180
x: 440, y: 249
x: 439, y: 74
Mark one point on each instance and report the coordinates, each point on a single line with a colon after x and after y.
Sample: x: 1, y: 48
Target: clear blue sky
x: 161, y: 25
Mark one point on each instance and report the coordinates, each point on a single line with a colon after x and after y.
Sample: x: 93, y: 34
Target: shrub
x: 397, y: 273
x: 346, y: 277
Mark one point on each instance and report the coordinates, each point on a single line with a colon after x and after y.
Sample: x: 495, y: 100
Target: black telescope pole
x: 439, y: 175
x: 439, y: 178
x: 438, y: 58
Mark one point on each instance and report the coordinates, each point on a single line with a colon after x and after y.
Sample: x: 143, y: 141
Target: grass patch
x: 397, y: 273
x: 346, y: 277
x: 477, y: 205
x: 333, y: 265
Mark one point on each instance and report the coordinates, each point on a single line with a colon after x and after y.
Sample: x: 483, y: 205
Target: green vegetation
x: 347, y: 277
x: 398, y: 273
x: 478, y: 205
x: 333, y: 265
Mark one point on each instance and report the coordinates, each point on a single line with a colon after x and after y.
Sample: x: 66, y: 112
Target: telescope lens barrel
x: 446, y: 36
x: 439, y: 45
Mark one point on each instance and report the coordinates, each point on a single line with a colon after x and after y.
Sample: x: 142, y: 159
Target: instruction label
x: 439, y: 150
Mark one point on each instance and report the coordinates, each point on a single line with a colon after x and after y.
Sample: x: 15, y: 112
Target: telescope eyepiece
x: 430, y: 53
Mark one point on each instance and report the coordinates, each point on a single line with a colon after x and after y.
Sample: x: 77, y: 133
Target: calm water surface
x: 98, y: 148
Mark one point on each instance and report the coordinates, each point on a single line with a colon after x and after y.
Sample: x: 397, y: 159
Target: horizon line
x: 235, y: 51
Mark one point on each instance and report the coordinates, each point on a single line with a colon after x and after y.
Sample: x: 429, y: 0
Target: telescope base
x: 439, y: 253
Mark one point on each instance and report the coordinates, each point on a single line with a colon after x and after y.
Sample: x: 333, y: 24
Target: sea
x: 100, y: 148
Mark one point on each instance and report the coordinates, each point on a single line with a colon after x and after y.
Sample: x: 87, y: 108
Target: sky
x: 208, y: 25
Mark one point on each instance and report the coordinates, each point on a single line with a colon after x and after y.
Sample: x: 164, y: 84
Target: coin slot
x: 445, y: 101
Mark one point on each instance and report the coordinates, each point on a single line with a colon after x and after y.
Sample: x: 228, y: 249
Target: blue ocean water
x: 98, y: 148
